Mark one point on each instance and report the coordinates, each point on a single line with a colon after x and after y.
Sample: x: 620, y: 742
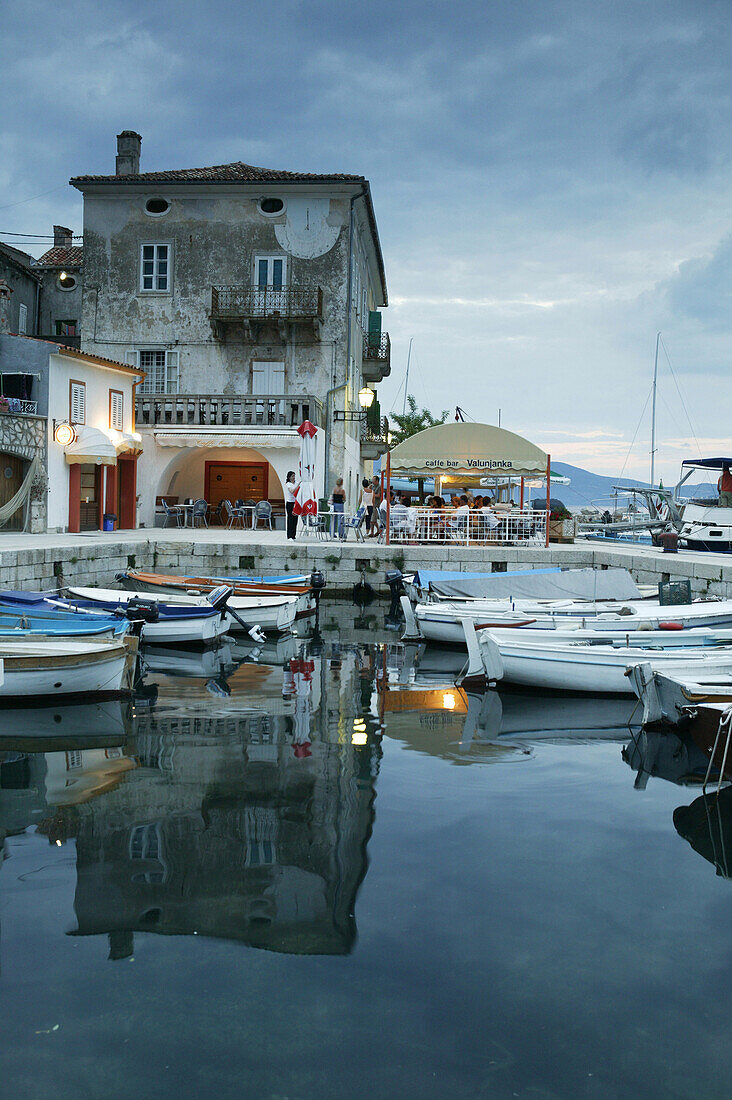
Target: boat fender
x: 670, y: 626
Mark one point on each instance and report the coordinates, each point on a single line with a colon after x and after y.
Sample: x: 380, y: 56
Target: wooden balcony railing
x: 214, y: 410
x: 262, y: 303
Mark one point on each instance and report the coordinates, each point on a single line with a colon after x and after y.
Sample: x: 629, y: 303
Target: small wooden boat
x: 199, y: 624
x: 32, y: 669
x: 174, y: 624
x: 578, y: 667
x: 668, y: 697
x: 442, y: 623
x: 270, y: 613
x: 140, y: 581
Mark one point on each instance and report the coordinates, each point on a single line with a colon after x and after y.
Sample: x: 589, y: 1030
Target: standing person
x: 367, y: 500
x: 338, y: 502
x: 724, y: 485
x: 376, y: 489
x: 291, y: 488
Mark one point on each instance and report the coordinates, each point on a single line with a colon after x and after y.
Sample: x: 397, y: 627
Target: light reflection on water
x: 484, y: 894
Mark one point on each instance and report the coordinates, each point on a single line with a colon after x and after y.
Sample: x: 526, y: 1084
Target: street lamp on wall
x: 366, y: 398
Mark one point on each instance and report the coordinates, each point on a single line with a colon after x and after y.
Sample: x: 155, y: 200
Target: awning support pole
x: 522, y: 494
x: 388, y: 498
x: 548, y: 495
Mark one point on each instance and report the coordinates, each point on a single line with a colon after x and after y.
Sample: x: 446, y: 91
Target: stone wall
x: 95, y: 560
x: 25, y: 436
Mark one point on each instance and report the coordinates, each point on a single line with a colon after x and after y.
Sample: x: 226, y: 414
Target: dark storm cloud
x: 548, y: 175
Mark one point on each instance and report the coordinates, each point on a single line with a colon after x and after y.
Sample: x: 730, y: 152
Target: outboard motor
x: 219, y: 599
x: 317, y: 584
x: 395, y: 580
x: 139, y: 612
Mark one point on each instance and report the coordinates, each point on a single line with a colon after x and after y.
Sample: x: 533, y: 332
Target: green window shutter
x: 374, y: 337
x: 373, y: 415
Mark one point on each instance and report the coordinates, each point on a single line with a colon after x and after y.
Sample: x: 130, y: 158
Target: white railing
x: 476, y: 527
x: 19, y: 405
x: 429, y: 525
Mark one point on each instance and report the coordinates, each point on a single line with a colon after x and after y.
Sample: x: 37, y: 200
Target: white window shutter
x: 117, y: 410
x: 132, y: 358
x: 78, y: 403
x: 171, y: 371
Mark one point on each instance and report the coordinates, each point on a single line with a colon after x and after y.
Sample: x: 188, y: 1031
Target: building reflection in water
x: 245, y: 822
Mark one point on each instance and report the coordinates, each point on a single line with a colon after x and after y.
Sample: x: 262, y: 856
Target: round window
x: 157, y: 207
x: 66, y: 281
x: 271, y: 207
x: 8, y: 471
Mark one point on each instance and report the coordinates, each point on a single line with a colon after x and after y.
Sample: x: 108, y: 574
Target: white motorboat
x: 34, y: 669
x: 705, y: 525
x: 69, y: 723
x: 579, y: 667
x: 270, y: 613
x: 668, y: 697
x: 442, y: 623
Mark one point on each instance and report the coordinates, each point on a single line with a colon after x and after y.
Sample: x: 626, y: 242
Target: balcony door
x: 270, y: 283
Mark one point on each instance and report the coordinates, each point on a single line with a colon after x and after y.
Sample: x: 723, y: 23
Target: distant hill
x: 587, y: 488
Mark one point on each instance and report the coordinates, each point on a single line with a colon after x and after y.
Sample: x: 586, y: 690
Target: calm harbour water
x: 322, y: 871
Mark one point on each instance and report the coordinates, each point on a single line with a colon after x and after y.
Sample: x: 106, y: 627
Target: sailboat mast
x: 653, y: 414
x: 406, y: 379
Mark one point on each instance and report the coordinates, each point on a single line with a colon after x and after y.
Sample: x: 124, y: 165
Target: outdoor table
x: 187, y: 510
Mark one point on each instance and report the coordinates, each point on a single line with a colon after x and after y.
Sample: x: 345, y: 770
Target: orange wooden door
x: 236, y: 481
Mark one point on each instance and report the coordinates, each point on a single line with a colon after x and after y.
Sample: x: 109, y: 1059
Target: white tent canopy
x: 476, y: 450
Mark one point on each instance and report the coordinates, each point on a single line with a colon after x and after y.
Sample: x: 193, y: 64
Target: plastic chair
x: 200, y: 511
x: 354, y: 523
x: 233, y: 514
x: 175, y: 513
x: 262, y: 511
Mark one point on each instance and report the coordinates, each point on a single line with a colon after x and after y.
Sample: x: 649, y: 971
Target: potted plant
x: 562, y: 527
x: 4, y: 404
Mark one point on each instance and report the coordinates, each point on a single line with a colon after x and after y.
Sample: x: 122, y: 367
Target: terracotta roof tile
x: 223, y: 173
x: 60, y: 256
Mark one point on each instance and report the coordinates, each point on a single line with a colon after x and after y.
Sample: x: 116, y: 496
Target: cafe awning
x: 91, y: 446
x: 127, y: 443
x: 476, y: 450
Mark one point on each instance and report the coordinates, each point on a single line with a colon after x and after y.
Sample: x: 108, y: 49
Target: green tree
x: 415, y: 420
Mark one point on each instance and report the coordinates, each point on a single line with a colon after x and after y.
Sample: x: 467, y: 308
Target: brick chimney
x: 128, y: 153
x: 5, y: 291
x: 62, y: 237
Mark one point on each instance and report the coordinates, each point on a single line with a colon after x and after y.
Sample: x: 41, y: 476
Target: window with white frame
x: 77, y: 402
x: 155, y: 267
x: 160, y: 366
x: 116, y: 409
x: 270, y: 271
x: 22, y: 319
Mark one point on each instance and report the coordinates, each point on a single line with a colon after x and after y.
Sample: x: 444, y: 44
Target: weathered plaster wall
x: 58, y: 304
x: 25, y: 291
x: 28, y: 357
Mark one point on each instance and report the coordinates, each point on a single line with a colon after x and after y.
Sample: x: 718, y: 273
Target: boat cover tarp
x: 477, y: 450
x: 540, y: 584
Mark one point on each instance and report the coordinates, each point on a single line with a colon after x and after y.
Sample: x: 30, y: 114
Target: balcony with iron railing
x: 196, y: 410
x: 18, y: 406
x: 374, y: 437
x: 376, y: 357
x: 259, y: 305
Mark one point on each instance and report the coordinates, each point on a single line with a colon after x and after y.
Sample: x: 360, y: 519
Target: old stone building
x: 251, y: 297
x: 20, y: 288
x: 60, y: 268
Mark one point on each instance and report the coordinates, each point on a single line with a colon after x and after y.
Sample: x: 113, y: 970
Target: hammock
x: 7, y: 511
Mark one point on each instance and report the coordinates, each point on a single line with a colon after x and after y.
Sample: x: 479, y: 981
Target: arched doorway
x: 12, y: 474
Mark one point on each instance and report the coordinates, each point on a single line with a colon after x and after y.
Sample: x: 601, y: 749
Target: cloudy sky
x: 551, y: 180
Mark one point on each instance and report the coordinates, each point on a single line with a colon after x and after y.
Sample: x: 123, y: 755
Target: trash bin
x: 109, y: 521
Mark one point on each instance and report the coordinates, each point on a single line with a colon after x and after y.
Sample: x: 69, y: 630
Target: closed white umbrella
x: 306, y: 503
